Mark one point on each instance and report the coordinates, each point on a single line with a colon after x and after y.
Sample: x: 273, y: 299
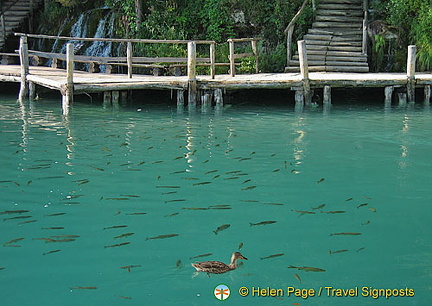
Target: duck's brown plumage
x: 218, y: 267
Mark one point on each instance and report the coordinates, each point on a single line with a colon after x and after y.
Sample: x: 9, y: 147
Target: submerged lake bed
x: 110, y: 207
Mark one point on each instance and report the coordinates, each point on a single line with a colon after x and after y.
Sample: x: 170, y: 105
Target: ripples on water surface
x: 65, y: 182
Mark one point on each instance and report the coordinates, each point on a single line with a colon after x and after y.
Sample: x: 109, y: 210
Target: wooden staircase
x: 13, y: 14
x: 334, y: 43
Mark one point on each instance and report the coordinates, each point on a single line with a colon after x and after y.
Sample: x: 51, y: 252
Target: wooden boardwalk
x: 85, y: 82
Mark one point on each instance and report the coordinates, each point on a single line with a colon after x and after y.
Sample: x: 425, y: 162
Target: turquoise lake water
x: 86, y: 191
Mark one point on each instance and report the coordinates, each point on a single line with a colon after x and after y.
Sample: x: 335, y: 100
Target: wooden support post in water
x: 231, y: 57
x: 191, y: 65
x: 115, y: 98
x: 123, y: 97
x: 129, y: 59
x: 304, y: 71
x: 212, y: 60
x: 427, y: 94
x: 388, y: 93
x: 218, y: 97
x: 107, y: 99
x: 411, y: 62
x: 180, y: 97
x: 206, y: 102
x: 68, y: 91
x: 327, y: 95
x: 24, y: 59
x: 32, y: 91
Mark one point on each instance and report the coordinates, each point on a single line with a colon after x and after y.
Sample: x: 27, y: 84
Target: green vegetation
x: 399, y: 23
x: 409, y: 22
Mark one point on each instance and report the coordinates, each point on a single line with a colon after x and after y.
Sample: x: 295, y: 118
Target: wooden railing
x: 129, y: 61
x: 233, y: 56
x: 290, y: 28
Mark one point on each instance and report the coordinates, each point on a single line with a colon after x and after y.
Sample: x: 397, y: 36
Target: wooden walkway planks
x: 99, y: 82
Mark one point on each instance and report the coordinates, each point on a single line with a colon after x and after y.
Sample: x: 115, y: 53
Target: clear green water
x: 97, y: 169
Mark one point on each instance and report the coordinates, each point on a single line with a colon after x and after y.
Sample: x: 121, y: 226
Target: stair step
x: 330, y: 69
x: 334, y: 58
x: 333, y: 43
x: 340, y: 7
x: 345, y: 13
x: 342, y: 1
x: 346, y: 19
x: 330, y: 63
x: 333, y: 48
x: 334, y: 24
x: 335, y: 32
x: 332, y: 38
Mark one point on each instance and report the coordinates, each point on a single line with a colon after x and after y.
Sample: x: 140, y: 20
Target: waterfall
x: 105, y: 29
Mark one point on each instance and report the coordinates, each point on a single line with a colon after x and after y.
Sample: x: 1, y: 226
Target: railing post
x: 212, y: 60
x: 24, y: 60
x: 231, y: 59
x: 304, y: 71
x: 191, y: 70
x: 69, y: 90
x: 129, y: 59
x: 255, y: 52
x: 3, y: 25
x: 365, y: 35
x: 289, y: 42
x: 411, y: 62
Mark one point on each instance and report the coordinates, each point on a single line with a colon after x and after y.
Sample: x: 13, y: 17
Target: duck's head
x: 237, y: 255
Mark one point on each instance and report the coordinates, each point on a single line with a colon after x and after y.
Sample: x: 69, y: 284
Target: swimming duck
x: 218, y: 267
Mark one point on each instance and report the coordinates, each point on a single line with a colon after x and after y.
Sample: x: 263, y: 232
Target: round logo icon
x: 221, y: 292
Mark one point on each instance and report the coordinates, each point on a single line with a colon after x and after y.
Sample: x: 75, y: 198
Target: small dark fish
x: 28, y: 183
x: 206, y: 161
x: 233, y: 172
x: 53, y: 228
x: 372, y: 209
x: 245, y: 158
x: 179, y: 264
x: 141, y: 163
x: 178, y: 157
x: 170, y: 192
x: 157, y: 162
x: 117, y: 245
x: 216, y: 176
x: 15, y: 218
x: 303, y: 212
x: 16, y: 183
x: 246, y: 181
x: 250, y: 201
x: 178, y: 172
x: 50, y: 252
x: 276, y: 170
x: 28, y: 221
x: 334, y: 212
x: 66, y: 236
x: 361, y: 205
x: 221, y: 228
x: 9, y: 212
x: 338, y: 251
x: 297, y: 277
x: 190, y: 178
x: 13, y: 241
x: 130, y: 267
x: 83, y: 182
x: 362, y: 248
x: 320, y: 180
x: 115, y: 226
x: 162, y: 236
x: 272, y: 203
x: 123, y: 235
x: 272, y: 256
x: 307, y: 269
x: 231, y: 178
x: 2, y: 268
x: 61, y: 240
x: 137, y: 213
x: 124, y: 297
x: 54, y: 215
x: 249, y: 188
x: 348, y: 234
x: 117, y: 199
x: 167, y: 186
x: 98, y: 169
x: 240, y: 246
x: 319, y: 207
x: 172, y: 215
x: 262, y: 223
x: 201, y: 183
x: 130, y: 195
x: 177, y: 200
x: 202, y: 255
x: 211, y: 171
x: 196, y: 208
x: 124, y: 144
x: 219, y: 206
x: 85, y: 287
x: 349, y: 199
x: 366, y: 223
